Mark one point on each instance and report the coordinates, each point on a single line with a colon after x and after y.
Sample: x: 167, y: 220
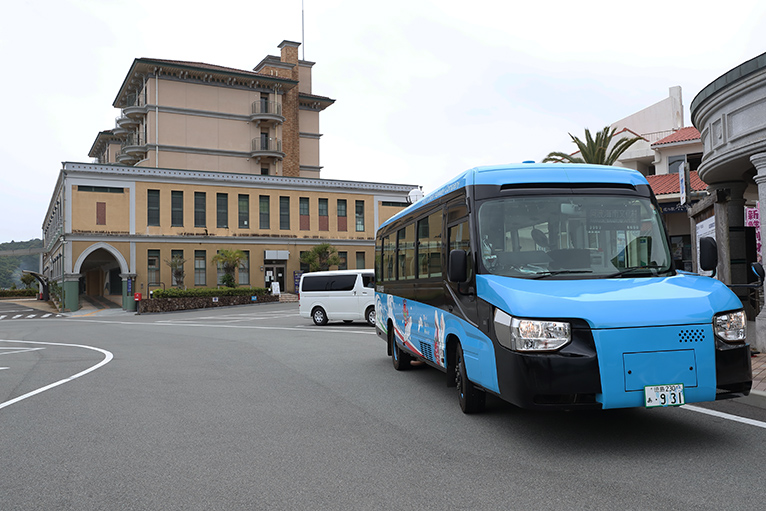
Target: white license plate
x: 664, y: 395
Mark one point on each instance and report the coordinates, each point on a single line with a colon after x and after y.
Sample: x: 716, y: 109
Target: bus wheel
x: 470, y: 398
x: 319, y: 316
x: 400, y: 358
x: 369, y: 315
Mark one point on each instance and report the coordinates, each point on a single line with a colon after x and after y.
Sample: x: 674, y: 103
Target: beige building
x: 204, y: 158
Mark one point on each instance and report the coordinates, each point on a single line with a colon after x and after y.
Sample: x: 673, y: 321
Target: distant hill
x: 11, y: 266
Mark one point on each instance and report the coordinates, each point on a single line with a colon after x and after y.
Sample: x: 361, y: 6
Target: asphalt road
x: 254, y: 407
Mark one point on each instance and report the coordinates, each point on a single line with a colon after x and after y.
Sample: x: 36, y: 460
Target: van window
x: 368, y: 280
x: 329, y: 282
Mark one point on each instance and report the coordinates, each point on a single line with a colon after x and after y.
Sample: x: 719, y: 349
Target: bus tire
x: 401, y: 359
x: 470, y: 398
x: 369, y: 315
x: 319, y: 316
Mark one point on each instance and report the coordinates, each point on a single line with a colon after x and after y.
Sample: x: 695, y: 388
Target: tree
x: 176, y: 264
x: 321, y: 257
x: 594, y: 150
x: 229, y: 260
x: 28, y: 279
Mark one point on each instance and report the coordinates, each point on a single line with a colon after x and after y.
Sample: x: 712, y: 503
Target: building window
x: 222, y: 210
x: 153, y: 267
x: 244, y: 269
x: 343, y: 264
x: 360, y: 263
x: 152, y: 207
x: 243, y: 208
x: 101, y: 213
x: 199, y: 268
x: 305, y: 223
x: 99, y: 189
x: 177, y: 208
x: 199, y: 209
x: 219, y: 271
x: 359, y: 216
x: 175, y: 254
x: 264, y: 171
x: 324, y: 219
x: 342, y: 218
x: 284, y: 213
x: 263, y: 211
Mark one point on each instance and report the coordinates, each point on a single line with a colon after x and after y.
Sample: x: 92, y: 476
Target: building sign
x: 705, y: 229
x: 753, y: 219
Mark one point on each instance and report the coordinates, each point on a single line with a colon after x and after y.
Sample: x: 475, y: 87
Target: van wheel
x: 369, y: 315
x: 319, y: 316
x: 400, y: 358
x: 470, y: 398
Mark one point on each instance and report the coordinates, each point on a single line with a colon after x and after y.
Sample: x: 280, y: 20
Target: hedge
x: 175, y: 292
x: 201, y: 302
x: 8, y: 293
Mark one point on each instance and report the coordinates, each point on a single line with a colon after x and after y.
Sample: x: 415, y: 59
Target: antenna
x: 303, y: 35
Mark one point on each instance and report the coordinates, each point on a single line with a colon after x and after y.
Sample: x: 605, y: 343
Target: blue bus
x: 553, y: 287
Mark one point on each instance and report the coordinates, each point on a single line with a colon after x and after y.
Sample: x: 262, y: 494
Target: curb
x: 756, y: 398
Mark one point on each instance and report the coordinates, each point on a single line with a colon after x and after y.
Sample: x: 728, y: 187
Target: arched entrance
x: 101, y: 268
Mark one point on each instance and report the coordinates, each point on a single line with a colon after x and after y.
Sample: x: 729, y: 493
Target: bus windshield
x: 572, y: 236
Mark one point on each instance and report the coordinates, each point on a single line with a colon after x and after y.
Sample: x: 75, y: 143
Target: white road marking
x: 727, y: 416
x: 219, y: 325
x: 107, y: 358
x: 3, y: 316
x: 46, y: 315
x: 31, y: 316
x: 17, y: 350
x: 17, y: 316
x: 1, y: 368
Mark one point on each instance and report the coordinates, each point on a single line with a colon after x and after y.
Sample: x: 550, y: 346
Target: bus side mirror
x: 708, y: 254
x: 457, y: 269
x: 758, y: 270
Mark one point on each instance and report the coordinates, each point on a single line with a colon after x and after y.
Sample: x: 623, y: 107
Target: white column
x: 759, y: 160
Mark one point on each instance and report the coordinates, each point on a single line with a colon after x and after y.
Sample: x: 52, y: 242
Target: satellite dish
x: 415, y: 195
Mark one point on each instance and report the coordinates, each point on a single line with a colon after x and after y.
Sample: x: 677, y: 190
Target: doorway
x: 274, y: 273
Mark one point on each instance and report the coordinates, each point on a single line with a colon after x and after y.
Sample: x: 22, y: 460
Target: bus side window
x: 389, y: 254
x: 406, y: 253
x: 459, y: 240
x: 430, y: 246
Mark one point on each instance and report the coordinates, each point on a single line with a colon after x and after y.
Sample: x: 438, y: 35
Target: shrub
x: 5, y: 293
x: 209, y: 291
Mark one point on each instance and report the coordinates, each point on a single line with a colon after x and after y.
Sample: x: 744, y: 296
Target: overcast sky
x: 423, y: 89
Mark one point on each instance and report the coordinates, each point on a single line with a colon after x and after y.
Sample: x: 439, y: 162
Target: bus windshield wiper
x: 652, y: 269
x: 541, y: 274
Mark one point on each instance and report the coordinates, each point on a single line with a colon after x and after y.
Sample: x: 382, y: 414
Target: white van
x: 345, y: 295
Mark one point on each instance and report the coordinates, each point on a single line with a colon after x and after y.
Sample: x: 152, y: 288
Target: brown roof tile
x: 664, y: 184
x: 682, y: 135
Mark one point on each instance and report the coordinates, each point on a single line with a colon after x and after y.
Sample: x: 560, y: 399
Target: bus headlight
x: 531, y: 334
x: 731, y: 326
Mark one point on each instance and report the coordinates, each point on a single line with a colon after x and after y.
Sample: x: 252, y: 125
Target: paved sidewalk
x: 759, y: 373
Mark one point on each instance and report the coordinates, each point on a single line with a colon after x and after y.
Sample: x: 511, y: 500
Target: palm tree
x: 230, y: 260
x: 594, y: 150
x: 176, y: 264
x: 321, y: 257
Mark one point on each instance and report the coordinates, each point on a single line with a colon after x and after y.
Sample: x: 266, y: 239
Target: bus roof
x: 517, y: 173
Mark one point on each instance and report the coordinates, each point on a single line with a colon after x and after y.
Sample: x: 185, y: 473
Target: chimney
x: 289, y: 52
